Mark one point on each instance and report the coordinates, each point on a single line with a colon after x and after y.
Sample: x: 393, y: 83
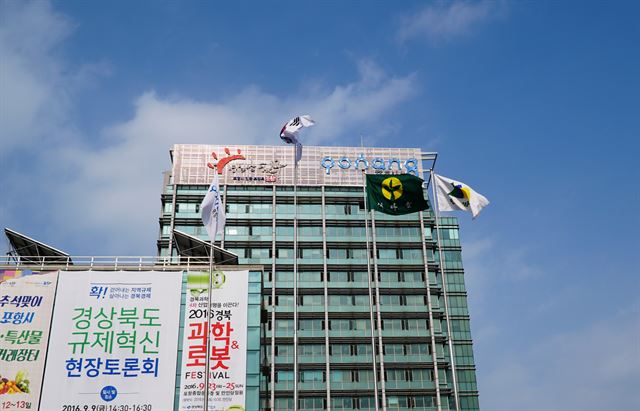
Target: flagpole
x: 208, y: 332
x: 295, y: 280
x: 373, y: 337
x: 444, y: 288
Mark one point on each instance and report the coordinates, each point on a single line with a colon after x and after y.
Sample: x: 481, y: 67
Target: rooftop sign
x: 267, y: 165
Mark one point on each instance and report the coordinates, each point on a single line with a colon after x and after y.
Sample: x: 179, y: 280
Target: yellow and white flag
x: 454, y: 195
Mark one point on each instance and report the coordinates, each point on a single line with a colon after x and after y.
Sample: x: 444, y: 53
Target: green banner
x: 396, y: 195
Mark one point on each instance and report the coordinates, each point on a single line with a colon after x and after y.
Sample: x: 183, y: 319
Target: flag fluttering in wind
x: 395, y: 194
x: 212, y: 210
x: 454, y: 195
x: 290, y: 131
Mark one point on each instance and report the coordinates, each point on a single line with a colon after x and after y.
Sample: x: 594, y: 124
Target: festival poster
x: 26, y: 302
x: 228, y: 347
x: 113, y: 342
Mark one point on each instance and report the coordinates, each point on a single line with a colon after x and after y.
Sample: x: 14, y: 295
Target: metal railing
x: 128, y: 263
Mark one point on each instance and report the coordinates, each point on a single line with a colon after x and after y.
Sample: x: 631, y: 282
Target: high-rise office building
x: 373, y: 313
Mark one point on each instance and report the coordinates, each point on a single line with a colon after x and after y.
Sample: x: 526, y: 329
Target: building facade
x: 370, y: 314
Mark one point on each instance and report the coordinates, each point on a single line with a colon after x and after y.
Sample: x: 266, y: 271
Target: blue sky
x: 534, y: 104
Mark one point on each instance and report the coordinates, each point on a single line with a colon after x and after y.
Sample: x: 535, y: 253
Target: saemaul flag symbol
x: 396, y: 195
x: 454, y: 195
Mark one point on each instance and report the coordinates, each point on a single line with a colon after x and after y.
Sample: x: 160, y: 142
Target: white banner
x: 113, y: 342
x: 25, y: 319
x: 228, y: 352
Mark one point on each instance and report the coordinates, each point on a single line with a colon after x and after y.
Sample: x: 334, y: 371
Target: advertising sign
x: 25, y: 318
x: 228, y: 347
x: 113, y: 342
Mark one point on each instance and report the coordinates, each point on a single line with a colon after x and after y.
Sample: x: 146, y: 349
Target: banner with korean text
x: 114, y: 338
x: 228, y: 333
x: 26, y: 300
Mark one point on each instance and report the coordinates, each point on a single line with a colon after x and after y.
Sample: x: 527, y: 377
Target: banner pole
x: 444, y: 289
x: 373, y: 337
x: 208, y: 332
x: 295, y: 280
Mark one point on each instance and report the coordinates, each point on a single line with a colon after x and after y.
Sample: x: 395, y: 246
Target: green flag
x: 395, y: 194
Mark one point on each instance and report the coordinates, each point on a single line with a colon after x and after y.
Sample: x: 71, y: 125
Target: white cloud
x: 446, y: 20
x: 33, y: 96
x: 103, y: 190
x: 120, y: 183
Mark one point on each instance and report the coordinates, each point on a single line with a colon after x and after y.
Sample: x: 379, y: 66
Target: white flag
x: 289, y: 132
x: 213, y: 216
x: 454, y: 195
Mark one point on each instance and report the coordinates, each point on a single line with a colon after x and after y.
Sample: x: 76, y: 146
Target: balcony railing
x: 128, y: 263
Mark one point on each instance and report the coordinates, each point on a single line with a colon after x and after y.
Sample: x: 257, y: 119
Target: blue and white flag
x: 289, y: 132
x: 212, y: 210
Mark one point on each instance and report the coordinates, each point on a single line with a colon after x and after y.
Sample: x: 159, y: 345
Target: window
x: 284, y: 300
x: 395, y: 375
x: 311, y: 403
x: 415, y: 300
x: 311, y: 349
x: 387, y: 253
x: 390, y: 300
x: 361, y: 300
x: 260, y: 253
x: 313, y: 209
x: 284, y: 276
x: 310, y: 231
x: 363, y: 349
x: 312, y: 300
x: 283, y: 350
x: 259, y: 208
x: 393, y: 349
x: 421, y: 374
x: 340, y: 350
x: 412, y: 277
x: 392, y: 324
x: 360, y: 276
x: 284, y: 252
x: 337, y: 253
x: 358, y: 253
x: 311, y: 253
x: 284, y: 325
x: 340, y: 300
x: 418, y: 349
x: 339, y: 325
x: 416, y: 324
x: 424, y: 401
x: 389, y: 277
x: 411, y: 254
x: 284, y: 376
x: 339, y: 276
x: 310, y: 325
x: 310, y: 276
x: 312, y: 376
x: 261, y: 230
x: 284, y: 231
x: 341, y: 403
x: 360, y: 324
x: 341, y: 376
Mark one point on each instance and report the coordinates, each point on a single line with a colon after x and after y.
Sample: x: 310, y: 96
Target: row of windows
x: 358, y: 403
x: 316, y: 231
x: 347, y: 300
x: 406, y: 324
x: 332, y: 253
x: 349, y: 350
x: 415, y: 374
x: 346, y: 276
x: 394, y: 402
